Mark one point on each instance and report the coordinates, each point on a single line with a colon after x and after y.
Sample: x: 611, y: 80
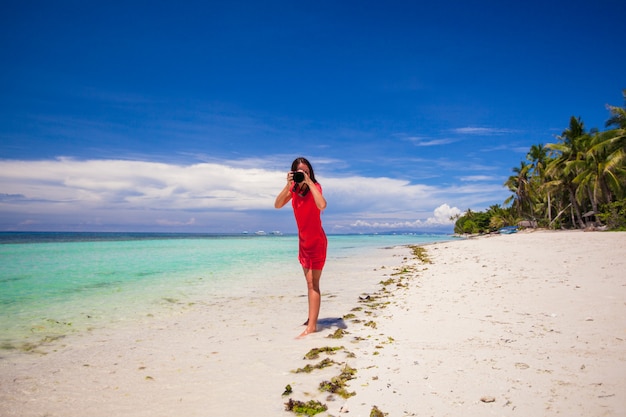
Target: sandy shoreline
x: 533, y: 321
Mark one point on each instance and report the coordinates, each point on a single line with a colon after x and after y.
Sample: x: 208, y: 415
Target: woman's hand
x: 307, y: 180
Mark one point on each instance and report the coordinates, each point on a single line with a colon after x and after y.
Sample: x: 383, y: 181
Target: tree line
x: 577, y: 182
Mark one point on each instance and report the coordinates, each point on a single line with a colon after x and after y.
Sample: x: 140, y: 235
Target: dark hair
x: 301, y: 160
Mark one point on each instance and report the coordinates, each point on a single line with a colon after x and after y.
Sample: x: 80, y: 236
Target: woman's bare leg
x: 312, y: 277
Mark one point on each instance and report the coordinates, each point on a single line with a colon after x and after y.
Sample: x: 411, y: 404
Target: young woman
x: 308, y: 202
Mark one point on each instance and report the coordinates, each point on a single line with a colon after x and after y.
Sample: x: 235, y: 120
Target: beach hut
x: 590, y: 219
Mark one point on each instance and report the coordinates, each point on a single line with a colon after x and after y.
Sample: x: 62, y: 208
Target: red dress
x: 311, y: 236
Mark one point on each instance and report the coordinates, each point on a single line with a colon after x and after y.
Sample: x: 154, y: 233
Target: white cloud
x: 166, y: 222
x: 444, y: 215
x: 210, y: 196
x: 419, y: 141
x: 486, y: 131
x: 135, y: 184
x: 477, y: 178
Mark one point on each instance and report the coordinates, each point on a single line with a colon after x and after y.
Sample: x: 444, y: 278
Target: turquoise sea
x: 52, y: 284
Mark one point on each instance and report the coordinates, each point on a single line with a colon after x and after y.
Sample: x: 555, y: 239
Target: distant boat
x: 276, y: 233
x: 508, y: 230
x: 260, y: 233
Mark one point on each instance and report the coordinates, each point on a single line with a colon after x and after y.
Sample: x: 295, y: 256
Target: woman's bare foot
x: 306, y: 332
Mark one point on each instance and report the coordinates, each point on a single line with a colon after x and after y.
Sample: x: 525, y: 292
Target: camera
x: 298, y: 176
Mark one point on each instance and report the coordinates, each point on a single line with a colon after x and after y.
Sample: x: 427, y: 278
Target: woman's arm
x: 320, y: 201
x: 285, y: 195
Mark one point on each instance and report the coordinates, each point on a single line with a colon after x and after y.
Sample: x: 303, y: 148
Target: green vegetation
x: 613, y: 215
x: 309, y: 408
x: 337, y: 385
x: 315, y: 352
x: 420, y: 253
x: 389, y: 281
x: 376, y: 412
x: 32, y: 347
x: 325, y: 363
x: 371, y: 324
x: 339, y: 333
x: 578, y: 182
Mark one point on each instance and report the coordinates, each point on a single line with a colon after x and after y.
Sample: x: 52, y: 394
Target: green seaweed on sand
x: 347, y: 373
x: 32, y: 347
x: 376, y: 412
x: 7, y: 346
x: 387, y: 282
x: 403, y: 271
x: 371, y: 324
x: 337, y: 385
x: 377, y: 304
x: 420, y: 253
x: 60, y: 323
x: 288, y: 390
x: 349, y: 316
x: 339, y: 333
x: 368, y: 298
x: 309, y: 408
x: 334, y: 387
x: 325, y: 363
x: 315, y: 352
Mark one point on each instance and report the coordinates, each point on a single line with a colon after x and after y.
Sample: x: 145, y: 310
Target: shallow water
x: 57, y: 283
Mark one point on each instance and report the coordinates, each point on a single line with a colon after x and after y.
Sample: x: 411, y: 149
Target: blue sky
x: 185, y: 116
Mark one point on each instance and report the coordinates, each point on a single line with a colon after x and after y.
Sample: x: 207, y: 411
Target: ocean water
x: 52, y: 284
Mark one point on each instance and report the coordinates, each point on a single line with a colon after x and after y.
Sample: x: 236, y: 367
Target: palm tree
x: 604, y: 171
x: 618, y: 115
x: 584, y: 170
x: 590, y: 170
x: 465, y: 223
x: 519, y: 184
x: 500, y: 217
x: 616, y: 143
x: 601, y: 173
x: 563, y: 170
x: 538, y: 158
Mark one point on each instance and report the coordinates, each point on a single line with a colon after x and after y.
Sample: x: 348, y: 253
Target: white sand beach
x: 529, y: 324
x: 523, y: 324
